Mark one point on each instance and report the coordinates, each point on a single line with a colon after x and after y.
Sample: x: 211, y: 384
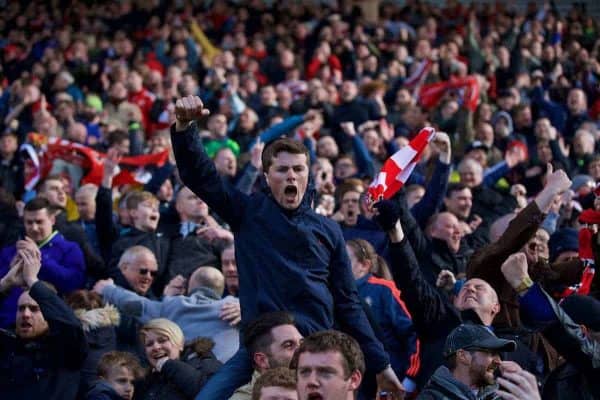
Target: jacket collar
x: 206, y: 292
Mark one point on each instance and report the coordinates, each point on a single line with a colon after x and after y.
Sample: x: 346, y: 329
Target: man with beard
x: 271, y: 341
x: 288, y: 256
x: 472, y: 355
x: 44, y: 355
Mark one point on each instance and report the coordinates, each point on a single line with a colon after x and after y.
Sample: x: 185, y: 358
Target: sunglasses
x: 146, y: 271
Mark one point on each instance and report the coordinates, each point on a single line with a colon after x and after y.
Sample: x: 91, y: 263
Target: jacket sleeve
x: 67, y: 274
x: 484, y: 264
x: 494, y: 173
x: 428, y: 308
x: 348, y: 309
x: 132, y: 304
x: 186, y: 378
x: 64, y: 327
x: 247, y: 179
x: 540, y: 311
x: 434, y: 194
x: 105, y: 227
x: 364, y: 162
x: 416, y: 237
x: 198, y: 172
x: 272, y: 133
x: 405, y: 332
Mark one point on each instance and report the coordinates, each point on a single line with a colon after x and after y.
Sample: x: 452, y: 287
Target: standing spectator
x: 43, y: 357
x: 62, y: 262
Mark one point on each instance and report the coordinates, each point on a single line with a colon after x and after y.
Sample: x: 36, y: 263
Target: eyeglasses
x: 146, y: 271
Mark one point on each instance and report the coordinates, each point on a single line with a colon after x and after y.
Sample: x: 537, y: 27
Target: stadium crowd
x: 187, y: 208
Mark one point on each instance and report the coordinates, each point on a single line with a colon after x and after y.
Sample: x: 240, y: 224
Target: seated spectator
x: 99, y: 322
x: 202, y: 313
x: 62, y: 261
x: 336, y: 353
x: 176, y: 372
x: 117, y: 373
x: 277, y: 383
x: 44, y: 355
x: 271, y: 340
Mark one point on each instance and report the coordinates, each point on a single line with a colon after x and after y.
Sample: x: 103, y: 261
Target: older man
x: 293, y: 240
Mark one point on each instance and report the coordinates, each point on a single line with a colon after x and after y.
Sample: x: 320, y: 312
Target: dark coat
x: 486, y: 262
x: 99, y: 326
x: 101, y: 391
x: 190, y: 252
x: 47, y: 367
x: 291, y: 260
x: 443, y: 386
x: 490, y: 204
x: 181, y: 379
x: 62, y: 266
x: 157, y: 243
x: 74, y: 232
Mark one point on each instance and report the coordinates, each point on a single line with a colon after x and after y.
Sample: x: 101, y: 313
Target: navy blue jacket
x: 398, y: 333
x: 294, y: 261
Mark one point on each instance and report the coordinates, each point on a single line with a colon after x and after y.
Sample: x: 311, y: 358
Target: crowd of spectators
x: 148, y: 251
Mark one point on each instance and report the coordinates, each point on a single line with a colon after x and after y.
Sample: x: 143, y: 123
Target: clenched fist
x: 187, y: 109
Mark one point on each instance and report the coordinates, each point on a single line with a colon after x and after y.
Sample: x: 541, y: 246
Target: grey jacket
x: 197, y: 315
x: 443, y: 386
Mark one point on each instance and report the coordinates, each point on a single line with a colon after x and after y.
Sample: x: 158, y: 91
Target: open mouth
x: 290, y: 190
x: 158, y: 356
x: 314, y: 396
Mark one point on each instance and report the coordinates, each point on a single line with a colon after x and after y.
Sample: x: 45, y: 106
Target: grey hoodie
x: 197, y: 315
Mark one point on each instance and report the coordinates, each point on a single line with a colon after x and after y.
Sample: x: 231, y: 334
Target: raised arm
x: 196, y: 169
x: 128, y: 302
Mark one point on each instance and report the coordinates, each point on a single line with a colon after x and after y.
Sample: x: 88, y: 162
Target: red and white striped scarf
x: 399, y: 166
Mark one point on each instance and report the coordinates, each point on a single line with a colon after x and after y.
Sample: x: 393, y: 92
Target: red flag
x: 91, y: 160
x: 399, y: 166
x: 467, y: 87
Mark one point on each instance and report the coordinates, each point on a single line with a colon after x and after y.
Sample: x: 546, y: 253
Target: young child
x: 117, y: 372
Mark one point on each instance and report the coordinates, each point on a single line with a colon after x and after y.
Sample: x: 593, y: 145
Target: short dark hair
x: 84, y: 300
x: 39, y: 203
x: 325, y: 341
x: 280, y: 146
x: 275, y: 377
x: 41, y: 186
x: 117, y: 359
x: 117, y: 136
x: 257, y: 333
x: 455, y: 187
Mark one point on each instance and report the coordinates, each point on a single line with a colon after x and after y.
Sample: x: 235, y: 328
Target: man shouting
x: 289, y: 258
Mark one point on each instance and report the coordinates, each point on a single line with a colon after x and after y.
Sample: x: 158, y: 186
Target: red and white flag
x: 399, y: 166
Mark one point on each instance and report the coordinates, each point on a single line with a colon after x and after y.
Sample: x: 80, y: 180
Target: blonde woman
x: 177, y: 371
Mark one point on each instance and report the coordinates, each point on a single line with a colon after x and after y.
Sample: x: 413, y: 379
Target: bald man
x: 199, y: 314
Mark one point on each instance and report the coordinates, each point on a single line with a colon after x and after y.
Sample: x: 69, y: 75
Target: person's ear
x: 261, y: 361
x: 355, y: 380
x: 463, y: 357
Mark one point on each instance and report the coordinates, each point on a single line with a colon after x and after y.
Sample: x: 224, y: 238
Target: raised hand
x: 441, y: 142
x: 256, y: 154
x: 514, y: 269
x: 348, y: 128
x: 188, y: 109
x: 175, y: 287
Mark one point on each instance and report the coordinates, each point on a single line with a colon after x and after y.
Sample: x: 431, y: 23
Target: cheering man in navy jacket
x: 289, y: 258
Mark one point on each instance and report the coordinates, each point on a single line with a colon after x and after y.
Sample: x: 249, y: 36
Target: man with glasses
x: 138, y: 268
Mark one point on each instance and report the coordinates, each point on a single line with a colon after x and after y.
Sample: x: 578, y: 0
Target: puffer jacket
x: 99, y: 326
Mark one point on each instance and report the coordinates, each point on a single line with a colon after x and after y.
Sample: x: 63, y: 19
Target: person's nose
x: 26, y: 314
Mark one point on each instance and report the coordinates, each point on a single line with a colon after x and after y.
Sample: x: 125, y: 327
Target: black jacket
x: 95, y: 267
x: 47, y: 367
x: 190, y: 252
x: 443, y: 386
x: 157, y: 243
x: 183, y: 378
x: 101, y: 391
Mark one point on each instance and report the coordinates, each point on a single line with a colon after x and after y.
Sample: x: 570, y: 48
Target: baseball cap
x: 476, y: 145
x: 474, y: 337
